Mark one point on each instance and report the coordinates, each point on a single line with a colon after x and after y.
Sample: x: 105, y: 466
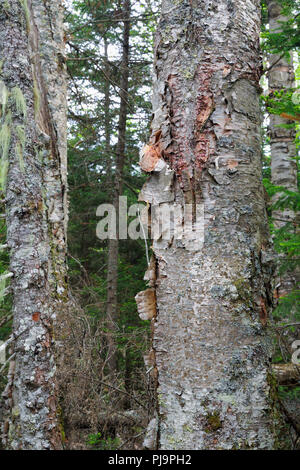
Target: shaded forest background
x: 107, y: 396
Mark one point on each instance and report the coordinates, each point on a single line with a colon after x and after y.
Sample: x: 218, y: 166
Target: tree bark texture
x: 211, y: 348
x: 34, y: 120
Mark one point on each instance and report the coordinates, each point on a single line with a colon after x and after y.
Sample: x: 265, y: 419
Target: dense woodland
x: 212, y: 88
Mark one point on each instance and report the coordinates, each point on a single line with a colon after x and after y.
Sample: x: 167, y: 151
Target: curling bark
x: 34, y: 117
x: 211, y: 349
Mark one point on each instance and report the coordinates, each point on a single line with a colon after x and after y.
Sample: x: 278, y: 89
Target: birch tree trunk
x: 34, y: 131
x: 211, y: 349
x: 113, y: 245
x: 282, y: 140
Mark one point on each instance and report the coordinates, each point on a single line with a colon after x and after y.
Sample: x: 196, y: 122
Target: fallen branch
x: 7, y: 362
x: 5, y: 320
x: 286, y: 374
x: 123, y: 392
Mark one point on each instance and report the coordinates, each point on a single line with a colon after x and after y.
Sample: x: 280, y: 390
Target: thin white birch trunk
x: 282, y: 139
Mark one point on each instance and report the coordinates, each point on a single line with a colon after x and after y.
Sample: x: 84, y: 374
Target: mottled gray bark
x: 282, y: 139
x: 34, y: 118
x: 211, y: 348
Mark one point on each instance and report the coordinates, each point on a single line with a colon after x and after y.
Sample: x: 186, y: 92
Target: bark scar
x: 263, y: 313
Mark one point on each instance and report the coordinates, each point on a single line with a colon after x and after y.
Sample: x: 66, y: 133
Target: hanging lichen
x: 19, y: 100
x: 6, y: 6
x: 3, y: 97
x: 8, y: 118
x: 27, y: 14
x: 3, y: 174
x: 5, y: 136
x: 20, y: 130
x: 2, y: 288
x: 19, y: 152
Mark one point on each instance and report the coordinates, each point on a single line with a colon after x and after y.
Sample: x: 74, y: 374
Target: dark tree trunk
x: 113, y: 245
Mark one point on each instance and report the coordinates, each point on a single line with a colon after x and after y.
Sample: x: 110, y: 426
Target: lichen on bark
x: 31, y: 41
x: 210, y: 337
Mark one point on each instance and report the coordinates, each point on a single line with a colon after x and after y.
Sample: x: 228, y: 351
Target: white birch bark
x: 211, y: 348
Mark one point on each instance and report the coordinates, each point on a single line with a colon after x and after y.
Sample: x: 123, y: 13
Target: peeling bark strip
x: 211, y: 345
x: 33, y: 71
x: 146, y: 304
